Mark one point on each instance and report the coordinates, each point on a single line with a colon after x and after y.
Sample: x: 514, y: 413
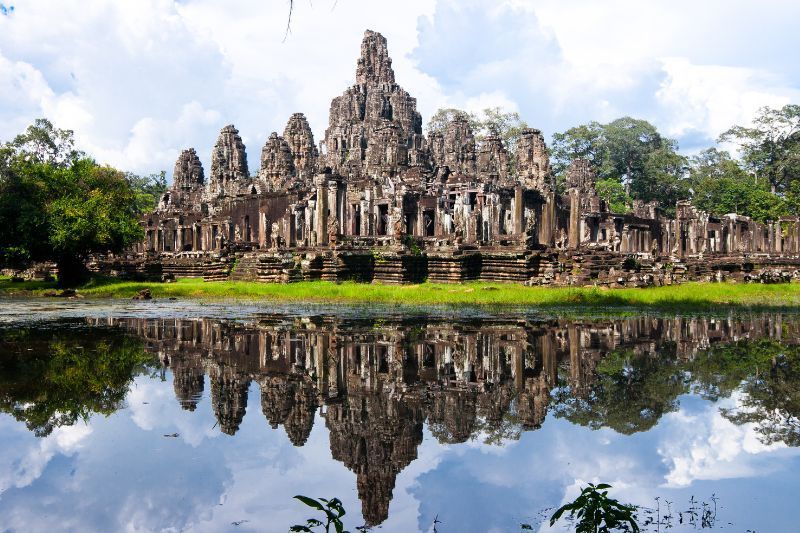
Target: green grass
x: 689, y: 296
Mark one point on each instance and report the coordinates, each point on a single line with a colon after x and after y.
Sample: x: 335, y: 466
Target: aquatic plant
x: 597, y: 513
x: 332, y: 511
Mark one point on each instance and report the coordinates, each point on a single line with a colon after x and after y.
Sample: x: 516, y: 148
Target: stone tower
x: 581, y: 176
x: 188, y: 172
x: 492, y: 161
x: 277, y: 164
x: 374, y: 127
x: 228, y: 162
x: 533, y: 161
x: 455, y: 149
x: 301, y: 143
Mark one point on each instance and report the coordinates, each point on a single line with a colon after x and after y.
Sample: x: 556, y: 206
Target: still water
x: 176, y: 416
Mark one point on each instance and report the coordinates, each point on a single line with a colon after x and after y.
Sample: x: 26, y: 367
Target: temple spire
x: 374, y: 65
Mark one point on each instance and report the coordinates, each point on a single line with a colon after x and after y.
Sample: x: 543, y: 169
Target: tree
x: 767, y: 373
x: 498, y: 123
x: 721, y: 186
x: 663, y: 179
x: 44, y: 143
x: 628, y: 144
x: 629, y: 151
x: 614, y: 194
x: 770, y: 149
x: 147, y: 189
x: 58, y: 205
x: 581, y: 142
x: 629, y: 394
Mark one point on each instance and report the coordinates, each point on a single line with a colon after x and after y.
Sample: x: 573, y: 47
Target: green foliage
x: 58, y: 205
x: 663, y: 178
x: 769, y: 374
x: 613, y: 192
x: 581, y: 142
x: 52, y: 378
x: 147, y: 190
x: 43, y: 143
x: 630, y: 393
x: 377, y: 256
x: 413, y: 245
x: 597, y: 513
x: 498, y: 123
x: 498, y: 433
x: 629, y: 151
x: 332, y: 511
x: 770, y: 149
x: 94, y: 212
x: 722, y: 186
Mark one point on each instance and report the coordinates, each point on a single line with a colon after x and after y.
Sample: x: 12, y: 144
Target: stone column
x: 574, y: 234
x: 547, y: 222
x: 363, y: 227
x: 519, y: 211
x: 321, y: 215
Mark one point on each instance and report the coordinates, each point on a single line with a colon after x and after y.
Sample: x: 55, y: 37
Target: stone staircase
x: 216, y: 269
x: 395, y: 269
x: 246, y: 268
x: 183, y: 267
x: 505, y: 267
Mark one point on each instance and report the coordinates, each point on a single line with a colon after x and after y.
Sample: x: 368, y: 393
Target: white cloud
x: 710, y: 99
x: 138, y: 81
x: 707, y: 446
x: 683, y: 66
x: 26, y: 461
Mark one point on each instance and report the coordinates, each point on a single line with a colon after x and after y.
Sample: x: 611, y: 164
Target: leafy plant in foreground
x: 333, y: 511
x: 597, y: 513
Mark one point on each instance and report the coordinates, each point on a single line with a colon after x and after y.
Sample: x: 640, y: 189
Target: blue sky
x: 139, y: 81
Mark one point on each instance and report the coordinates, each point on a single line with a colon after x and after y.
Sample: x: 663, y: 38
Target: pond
x: 186, y: 416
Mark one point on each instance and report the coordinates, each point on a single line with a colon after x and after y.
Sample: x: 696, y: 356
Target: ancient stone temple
x: 378, y: 201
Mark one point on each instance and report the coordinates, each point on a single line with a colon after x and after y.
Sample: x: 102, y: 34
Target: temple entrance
x: 383, y: 219
x: 428, y: 218
x: 356, y: 226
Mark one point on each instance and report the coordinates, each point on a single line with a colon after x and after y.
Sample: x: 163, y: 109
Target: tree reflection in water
x: 57, y: 376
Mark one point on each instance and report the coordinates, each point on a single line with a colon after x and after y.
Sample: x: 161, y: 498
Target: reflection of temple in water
x: 379, y: 381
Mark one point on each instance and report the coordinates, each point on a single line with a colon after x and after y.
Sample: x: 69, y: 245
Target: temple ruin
x: 378, y: 201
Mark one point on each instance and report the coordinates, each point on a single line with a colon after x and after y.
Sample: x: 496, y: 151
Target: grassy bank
x: 686, y: 296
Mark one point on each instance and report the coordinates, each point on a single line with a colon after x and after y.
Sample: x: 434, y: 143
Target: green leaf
x: 311, y: 502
